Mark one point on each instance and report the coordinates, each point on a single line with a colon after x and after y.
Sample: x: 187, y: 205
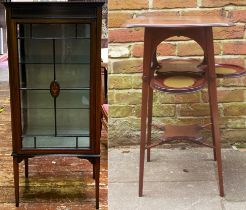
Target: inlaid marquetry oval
x: 54, y: 88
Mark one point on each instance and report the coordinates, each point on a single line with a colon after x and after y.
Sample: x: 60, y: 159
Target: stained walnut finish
x: 158, y: 29
x: 55, y: 81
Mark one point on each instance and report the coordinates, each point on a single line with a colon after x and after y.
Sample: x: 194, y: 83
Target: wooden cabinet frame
x: 58, y: 13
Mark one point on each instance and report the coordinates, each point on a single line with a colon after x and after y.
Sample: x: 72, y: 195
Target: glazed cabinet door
x: 54, y: 64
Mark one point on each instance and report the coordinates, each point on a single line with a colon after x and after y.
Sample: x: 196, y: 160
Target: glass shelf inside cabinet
x: 55, y: 54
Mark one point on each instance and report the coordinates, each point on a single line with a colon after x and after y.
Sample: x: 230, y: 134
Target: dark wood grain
x: 157, y: 30
x: 41, y: 13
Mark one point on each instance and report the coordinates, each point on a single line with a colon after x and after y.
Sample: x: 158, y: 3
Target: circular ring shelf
x: 179, y: 65
x: 176, y: 82
x: 228, y: 70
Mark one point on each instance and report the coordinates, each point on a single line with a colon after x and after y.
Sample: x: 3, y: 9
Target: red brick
x: 174, y: 4
x: 235, y: 48
x: 159, y: 110
x: 188, y: 98
x: 234, y: 82
x: 234, y: 109
x: 164, y: 49
x: 128, y: 97
x: 220, y: 3
x: 119, y: 4
x: 233, y: 61
x: 178, y: 38
x: 126, y: 35
x: 121, y: 111
x: 195, y: 109
x: 238, y: 15
x: 160, y: 13
x: 226, y: 95
x: 137, y: 50
x: 234, y: 32
x: 203, y: 12
x: 192, y: 49
x: 127, y: 66
x: 120, y: 82
x: 118, y: 19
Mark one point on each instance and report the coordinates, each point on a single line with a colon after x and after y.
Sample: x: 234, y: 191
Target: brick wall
x: 125, y: 67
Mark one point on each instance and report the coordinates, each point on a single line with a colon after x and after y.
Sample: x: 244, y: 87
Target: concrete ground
x: 176, y: 179
x: 54, y: 183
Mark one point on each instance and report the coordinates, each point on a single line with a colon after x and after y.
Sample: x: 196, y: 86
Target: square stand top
x: 178, y: 21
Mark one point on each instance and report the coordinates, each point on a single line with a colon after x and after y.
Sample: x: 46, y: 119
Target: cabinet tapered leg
x: 97, y: 177
x: 16, y: 180
x: 26, y: 167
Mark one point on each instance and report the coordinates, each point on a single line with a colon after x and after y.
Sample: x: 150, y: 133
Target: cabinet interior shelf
x: 52, y: 63
x: 87, y: 108
x: 84, y: 88
x: 54, y: 38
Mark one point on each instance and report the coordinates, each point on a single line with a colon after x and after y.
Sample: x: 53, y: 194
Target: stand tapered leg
x: 142, y: 140
x: 16, y: 180
x: 26, y: 167
x: 150, y: 107
x: 97, y: 177
x: 212, y: 89
x: 145, y: 92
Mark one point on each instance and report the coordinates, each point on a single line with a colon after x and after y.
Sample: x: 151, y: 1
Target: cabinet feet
x: 26, y: 167
x: 96, y: 165
x: 16, y: 180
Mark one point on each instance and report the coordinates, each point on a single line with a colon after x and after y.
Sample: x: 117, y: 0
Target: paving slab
x: 166, y: 169
x: 234, y: 205
x: 176, y: 179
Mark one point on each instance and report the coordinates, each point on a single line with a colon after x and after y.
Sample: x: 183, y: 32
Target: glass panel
x: 35, y: 50
x: 84, y: 142
x: 73, y: 75
x: 47, y: 141
x: 55, y: 142
x: 28, y: 142
x: 83, y: 30
x: 73, y: 122
x: 72, y: 51
x: 53, y: 30
x: 49, y: 52
x: 37, y: 99
x: 23, y: 30
x: 38, y: 122
x: 73, y: 99
x: 36, y: 75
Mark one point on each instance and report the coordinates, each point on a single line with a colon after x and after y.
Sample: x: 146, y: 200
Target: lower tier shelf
x: 180, y: 133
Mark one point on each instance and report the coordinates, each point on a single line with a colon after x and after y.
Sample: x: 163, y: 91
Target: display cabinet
x: 55, y: 80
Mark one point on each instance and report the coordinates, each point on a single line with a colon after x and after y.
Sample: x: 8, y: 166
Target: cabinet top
x: 51, y: 1
x: 19, y: 9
